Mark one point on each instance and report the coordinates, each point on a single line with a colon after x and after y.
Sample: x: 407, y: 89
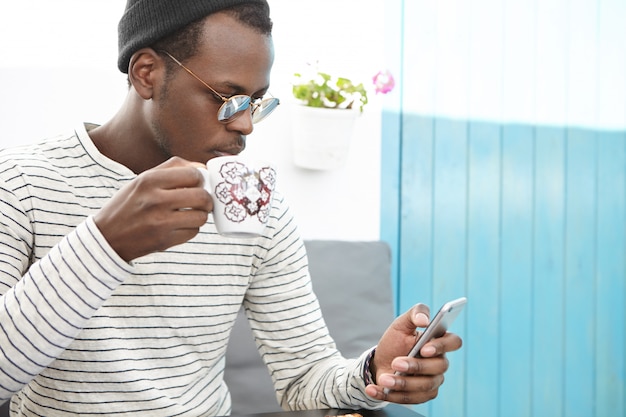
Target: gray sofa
x: 353, y: 283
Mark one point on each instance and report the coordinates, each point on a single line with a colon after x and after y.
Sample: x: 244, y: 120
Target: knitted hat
x: 146, y: 21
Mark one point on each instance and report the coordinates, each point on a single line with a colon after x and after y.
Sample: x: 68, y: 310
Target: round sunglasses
x: 234, y: 106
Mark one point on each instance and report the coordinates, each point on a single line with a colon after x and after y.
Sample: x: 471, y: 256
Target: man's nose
x: 243, y: 123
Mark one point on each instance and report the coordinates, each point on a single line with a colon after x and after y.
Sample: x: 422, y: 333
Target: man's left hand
x: 421, y: 377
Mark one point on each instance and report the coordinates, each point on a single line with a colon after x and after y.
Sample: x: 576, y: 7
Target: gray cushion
x: 353, y: 283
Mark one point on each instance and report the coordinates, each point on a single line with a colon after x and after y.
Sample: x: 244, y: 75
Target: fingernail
x: 401, y: 366
x: 422, y: 317
x: 387, y: 381
x: 428, y: 350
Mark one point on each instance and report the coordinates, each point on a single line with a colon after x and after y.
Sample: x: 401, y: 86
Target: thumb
x: 400, y: 337
x: 420, y: 316
x: 416, y: 316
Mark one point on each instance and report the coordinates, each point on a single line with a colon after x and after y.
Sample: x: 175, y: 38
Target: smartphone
x: 438, y: 326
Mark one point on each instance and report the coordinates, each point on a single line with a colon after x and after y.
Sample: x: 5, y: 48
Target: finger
x: 449, y: 342
x: 176, y: 228
x: 420, y: 313
x: 411, y: 383
x: 187, y: 198
x: 157, y: 206
x: 415, y: 390
x: 414, y: 366
x: 417, y: 316
x: 173, y: 174
x: 188, y: 218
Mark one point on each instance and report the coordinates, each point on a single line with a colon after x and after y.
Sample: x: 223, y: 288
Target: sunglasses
x: 234, y: 106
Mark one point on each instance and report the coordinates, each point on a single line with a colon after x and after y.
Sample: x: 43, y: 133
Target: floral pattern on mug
x: 245, y: 192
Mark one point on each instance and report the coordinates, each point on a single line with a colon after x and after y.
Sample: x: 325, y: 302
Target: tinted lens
x: 232, y: 108
x: 264, y: 108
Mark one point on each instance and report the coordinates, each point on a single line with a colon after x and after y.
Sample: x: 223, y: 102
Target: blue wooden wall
x: 492, y: 189
x: 529, y: 223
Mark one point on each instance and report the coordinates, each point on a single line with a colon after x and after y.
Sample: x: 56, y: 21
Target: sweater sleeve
x: 307, y: 369
x: 44, y: 305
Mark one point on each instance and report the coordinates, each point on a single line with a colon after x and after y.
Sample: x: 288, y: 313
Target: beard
x: 161, y: 139
x: 160, y: 136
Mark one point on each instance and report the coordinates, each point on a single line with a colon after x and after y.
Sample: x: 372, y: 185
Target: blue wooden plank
x: 580, y: 273
x: 516, y: 271
x: 450, y: 208
x: 610, y: 340
x: 482, y: 314
x: 416, y: 218
x: 390, y: 193
x: 449, y: 244
x: 549, y: 240
x: 391, y: 139
x: 416, y: 211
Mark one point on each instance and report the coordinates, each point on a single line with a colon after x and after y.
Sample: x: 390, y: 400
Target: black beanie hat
x: 146, y: 21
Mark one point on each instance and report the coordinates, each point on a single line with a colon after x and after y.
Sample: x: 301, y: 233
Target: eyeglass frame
x: 252, y: 105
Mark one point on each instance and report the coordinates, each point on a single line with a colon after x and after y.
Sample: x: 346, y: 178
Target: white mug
x: 242, y: 191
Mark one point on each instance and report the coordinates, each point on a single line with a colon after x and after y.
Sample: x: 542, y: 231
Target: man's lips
x: 231, y: 148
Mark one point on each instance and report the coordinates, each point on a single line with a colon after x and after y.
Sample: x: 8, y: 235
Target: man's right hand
x: 162, y: 207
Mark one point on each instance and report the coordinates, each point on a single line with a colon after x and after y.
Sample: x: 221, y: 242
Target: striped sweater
x: 84, y: 333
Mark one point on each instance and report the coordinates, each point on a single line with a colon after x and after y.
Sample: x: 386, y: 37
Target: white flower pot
x: 321, y: 137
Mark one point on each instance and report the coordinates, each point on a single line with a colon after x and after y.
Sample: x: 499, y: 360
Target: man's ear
x: 145, y: 70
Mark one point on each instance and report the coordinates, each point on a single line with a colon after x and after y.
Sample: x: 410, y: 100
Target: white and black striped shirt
x: 84, y: 333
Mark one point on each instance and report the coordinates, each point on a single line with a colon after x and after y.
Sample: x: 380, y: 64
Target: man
x: 118, y: 294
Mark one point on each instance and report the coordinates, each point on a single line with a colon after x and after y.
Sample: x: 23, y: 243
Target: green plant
x: 322, y: 90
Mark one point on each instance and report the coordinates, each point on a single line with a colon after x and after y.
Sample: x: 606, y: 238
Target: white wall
x: 58, y: 68
x: 547, y: 62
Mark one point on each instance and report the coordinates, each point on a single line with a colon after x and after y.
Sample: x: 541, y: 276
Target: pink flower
x: 383, y: 82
